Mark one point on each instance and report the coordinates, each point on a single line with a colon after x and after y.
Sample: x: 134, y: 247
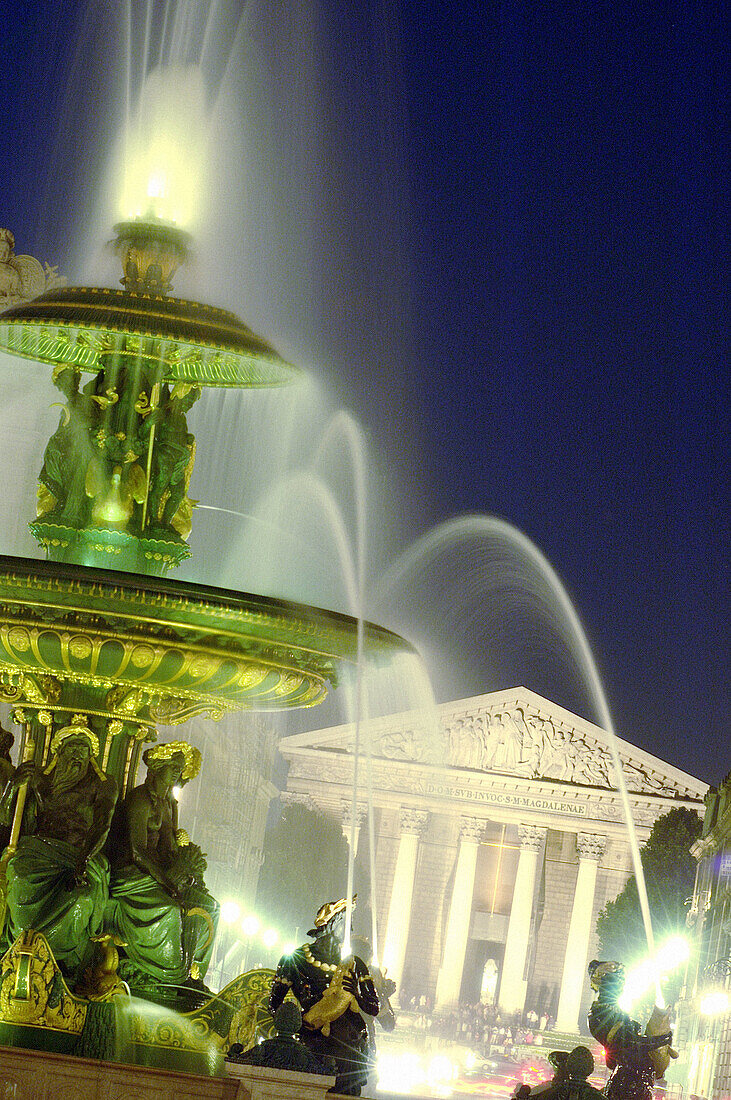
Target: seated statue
x: 6, y: 772
x: 159, y: 906
x: 635, y: 1060
x: 332, y: 994
x: 569, y: 1081
x: 285, y: 1050
x: 57, y: 879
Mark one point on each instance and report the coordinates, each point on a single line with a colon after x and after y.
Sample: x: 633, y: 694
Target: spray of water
x: 500, y: 532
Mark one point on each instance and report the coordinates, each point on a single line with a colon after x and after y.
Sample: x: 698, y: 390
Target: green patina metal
x: 194, y: 343
x: 92, y: 659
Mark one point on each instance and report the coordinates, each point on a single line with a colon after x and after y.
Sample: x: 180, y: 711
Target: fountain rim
x: 109, y: 584
x: 179, y: 330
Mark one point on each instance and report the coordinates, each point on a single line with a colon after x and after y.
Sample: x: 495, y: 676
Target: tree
x: 669, y: 871
x: 305, y: 864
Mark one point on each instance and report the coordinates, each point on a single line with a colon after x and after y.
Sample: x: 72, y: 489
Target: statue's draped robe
x: 41, y: 891
x: 160, y: 939
x: 42, y: 896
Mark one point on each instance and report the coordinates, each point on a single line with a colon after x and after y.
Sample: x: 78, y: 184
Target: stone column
x: 460, y: 914
x: 347, y: 820
x: 590, y: 847
x: 413, y: 823
x: 512, y: 983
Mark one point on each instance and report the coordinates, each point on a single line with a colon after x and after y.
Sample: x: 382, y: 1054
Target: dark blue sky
x: 565, y: 173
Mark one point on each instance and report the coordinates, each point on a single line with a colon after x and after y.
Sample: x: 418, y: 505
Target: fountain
x: 95, y: 657
x: 123, y: 649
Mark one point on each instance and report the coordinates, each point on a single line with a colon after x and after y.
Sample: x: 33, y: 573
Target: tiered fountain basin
x: 186, y: 341
x: 156, y: 650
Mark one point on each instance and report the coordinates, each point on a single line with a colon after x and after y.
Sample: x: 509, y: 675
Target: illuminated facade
x: 498, y: 840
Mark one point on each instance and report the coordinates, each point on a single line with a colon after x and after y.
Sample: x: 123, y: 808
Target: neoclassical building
x: 499, y: 837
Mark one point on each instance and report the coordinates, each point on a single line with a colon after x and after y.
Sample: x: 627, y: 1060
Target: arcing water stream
x: 200, y: 91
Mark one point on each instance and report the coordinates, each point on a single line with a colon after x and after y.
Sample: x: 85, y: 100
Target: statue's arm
x: 363, y: 988
x: 281, y: 985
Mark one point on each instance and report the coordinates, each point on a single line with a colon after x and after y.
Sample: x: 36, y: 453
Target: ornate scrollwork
x: 28, y: 687
x: 531, y: 837
x: 471, y: 830
x: 32, y: 988
x: 413, y: 821
x: 591, y: 845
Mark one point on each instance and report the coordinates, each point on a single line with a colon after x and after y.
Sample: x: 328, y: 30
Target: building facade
x: 705, y: 1012
x: 499, y: 835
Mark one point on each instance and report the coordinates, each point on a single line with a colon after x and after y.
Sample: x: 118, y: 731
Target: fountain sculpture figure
x: 332, y: 993
x: 636, y: 1060
x: 93, y: 659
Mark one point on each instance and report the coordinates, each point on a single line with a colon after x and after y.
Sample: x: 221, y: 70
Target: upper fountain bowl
x: 183, y: 341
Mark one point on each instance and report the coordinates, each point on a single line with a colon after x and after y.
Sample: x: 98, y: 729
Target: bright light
x: 289, y: 948
x: 441, y: 1070
x: 269, y: 937
x: 674, y: 952
x: 165, y: 149
x: 177, y: 791
x: 647, y: 974
x: 230, y: 912
x: 400, y: 1072
x: 250, y: 925
x: 716, y: 1003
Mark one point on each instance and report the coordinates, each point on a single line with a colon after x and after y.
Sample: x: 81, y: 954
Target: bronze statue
x: 57, y: 879
x: 569, y: 1081
x: 636, y: 1060
x: 171, y: 458
x: 332, y: 993
x: 285, y: 1050
x: 6, y: 764
x: 159, y: 905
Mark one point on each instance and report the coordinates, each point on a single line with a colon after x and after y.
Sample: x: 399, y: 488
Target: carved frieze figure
x: 635, y: 1060
x: 332, y: 993
x: 57, y: 879
x: 22, y: 277
x: 159, y: 905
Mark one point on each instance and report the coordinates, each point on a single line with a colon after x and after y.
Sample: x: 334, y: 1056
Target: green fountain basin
x: 191, y: 342
x: 163, y: 651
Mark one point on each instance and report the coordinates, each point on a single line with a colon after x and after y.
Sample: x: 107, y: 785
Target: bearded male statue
x: 58, y: 878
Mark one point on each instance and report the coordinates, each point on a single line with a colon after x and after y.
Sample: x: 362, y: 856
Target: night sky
x: 563, y: 175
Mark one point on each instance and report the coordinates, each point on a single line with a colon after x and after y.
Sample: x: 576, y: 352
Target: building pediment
x: 512, y: 733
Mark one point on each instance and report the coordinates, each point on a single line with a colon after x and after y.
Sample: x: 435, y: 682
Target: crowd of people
x: 481, y: 1026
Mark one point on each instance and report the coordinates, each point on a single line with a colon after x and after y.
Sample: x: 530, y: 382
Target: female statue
x: 159, y: 905
x: 332, y: 993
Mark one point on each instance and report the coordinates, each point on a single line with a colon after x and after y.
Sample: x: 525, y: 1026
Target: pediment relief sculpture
x: 521, y: 742
x: 518, y: 740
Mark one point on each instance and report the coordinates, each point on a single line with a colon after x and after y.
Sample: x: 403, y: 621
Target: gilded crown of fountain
x: 151, y: 252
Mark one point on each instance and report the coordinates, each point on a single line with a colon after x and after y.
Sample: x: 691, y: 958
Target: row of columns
x: 590, y: 848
